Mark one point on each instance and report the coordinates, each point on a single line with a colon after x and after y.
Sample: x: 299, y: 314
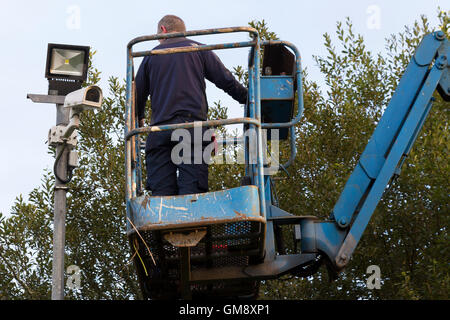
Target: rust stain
x: 183, y: 224
x: 144, y: 202
x: 240, y: 215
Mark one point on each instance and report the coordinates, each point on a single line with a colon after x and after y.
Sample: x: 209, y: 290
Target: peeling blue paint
x: 237, y: 204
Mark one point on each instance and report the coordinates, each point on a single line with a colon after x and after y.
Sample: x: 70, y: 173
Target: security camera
x: 88, y: 98
x: 84, y: 99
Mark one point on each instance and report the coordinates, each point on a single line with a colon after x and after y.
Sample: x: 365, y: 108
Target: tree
x: 407, y: 236
x: 95, y: 238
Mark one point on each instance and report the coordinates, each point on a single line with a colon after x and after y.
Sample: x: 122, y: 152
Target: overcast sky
x: 26, y: 27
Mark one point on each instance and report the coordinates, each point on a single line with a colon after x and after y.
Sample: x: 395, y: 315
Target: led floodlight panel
x: 67, y: 62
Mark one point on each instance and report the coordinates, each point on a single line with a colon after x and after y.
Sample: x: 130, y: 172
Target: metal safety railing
x: 132, y: 145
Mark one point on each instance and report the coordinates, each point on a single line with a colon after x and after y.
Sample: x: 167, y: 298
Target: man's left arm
x: 142, y: 91
x: 218, y: 74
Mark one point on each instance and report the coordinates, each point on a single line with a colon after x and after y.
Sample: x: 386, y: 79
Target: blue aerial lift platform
x: 223, y: 243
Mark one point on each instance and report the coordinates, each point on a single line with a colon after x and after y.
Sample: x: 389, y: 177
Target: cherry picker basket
x: 228, y: 238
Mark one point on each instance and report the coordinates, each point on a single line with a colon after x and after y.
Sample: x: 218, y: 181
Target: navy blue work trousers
x: 167, y: 177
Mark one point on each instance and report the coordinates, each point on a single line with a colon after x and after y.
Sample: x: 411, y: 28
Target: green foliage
x: 222, y: 176
x: 407, y: 236
x: 263, y: 30
x: 25, y: 245
x: 95, y: 238
x: 408, y: 232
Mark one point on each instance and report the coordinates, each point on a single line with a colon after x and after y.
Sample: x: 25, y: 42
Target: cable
x: 280, y: 165
x: 58, y: 157
x: 143, y: 265
x: 309, y: 269
x: 393, y: 180
x: 275, y: 194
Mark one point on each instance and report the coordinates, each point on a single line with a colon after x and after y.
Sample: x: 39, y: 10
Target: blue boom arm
x: 383, y: 156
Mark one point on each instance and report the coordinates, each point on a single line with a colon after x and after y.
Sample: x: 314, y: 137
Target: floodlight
x: 66, y: 62
x: 66, y: 67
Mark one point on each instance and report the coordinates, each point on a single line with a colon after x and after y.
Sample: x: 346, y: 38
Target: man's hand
x: 141, y: 123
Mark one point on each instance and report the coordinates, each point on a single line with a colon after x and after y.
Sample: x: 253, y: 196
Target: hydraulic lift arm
x: 386, y: 151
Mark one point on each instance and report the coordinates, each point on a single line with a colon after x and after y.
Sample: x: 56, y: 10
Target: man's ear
x: 163, y: 29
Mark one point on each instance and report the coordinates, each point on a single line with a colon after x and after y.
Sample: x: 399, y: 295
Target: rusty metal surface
x: 343, y: 256
x: 277, y: 88
x: 210, y: 123
x: 220, y: 46
x: 188, y: 238
x: 152, y: 213
x: 134, y: 41
x: 298, y: 79
x: 254, y: 97
x: 202, y: 222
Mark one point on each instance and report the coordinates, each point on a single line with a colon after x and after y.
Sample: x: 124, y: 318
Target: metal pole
x: 60, y: 209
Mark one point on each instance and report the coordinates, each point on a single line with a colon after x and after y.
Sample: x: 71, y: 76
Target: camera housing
x: 87, y: 98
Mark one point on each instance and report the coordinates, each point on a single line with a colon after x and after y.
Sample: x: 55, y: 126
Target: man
x: 176, y: 85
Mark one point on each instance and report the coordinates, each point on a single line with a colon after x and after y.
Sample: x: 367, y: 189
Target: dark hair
x: 172, y: 24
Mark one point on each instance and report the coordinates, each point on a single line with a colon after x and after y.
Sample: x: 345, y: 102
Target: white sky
x: 26, y: 27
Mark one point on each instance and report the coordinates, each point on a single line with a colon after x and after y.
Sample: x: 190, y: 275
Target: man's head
x: 170, y: 24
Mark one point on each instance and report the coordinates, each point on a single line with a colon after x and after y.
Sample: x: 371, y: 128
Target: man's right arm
x: 142, y: 90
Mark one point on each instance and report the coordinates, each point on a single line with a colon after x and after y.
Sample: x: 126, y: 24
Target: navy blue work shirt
x: 176, y: 82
